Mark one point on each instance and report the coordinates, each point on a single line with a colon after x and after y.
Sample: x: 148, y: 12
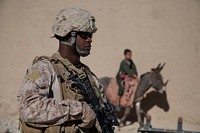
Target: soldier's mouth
x: 88, y: 48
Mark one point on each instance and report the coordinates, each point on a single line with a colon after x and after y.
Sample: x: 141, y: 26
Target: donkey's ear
x: 156, y: 69
x: 160, y: 68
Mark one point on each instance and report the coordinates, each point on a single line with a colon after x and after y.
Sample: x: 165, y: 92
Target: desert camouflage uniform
x: 40, y: 96
x: 46, y: 98
x: 73, y: 19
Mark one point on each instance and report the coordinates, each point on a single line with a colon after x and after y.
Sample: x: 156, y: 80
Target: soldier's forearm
x: 41, y: 111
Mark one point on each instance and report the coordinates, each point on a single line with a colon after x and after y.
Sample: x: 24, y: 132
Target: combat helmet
x: 73, y: 19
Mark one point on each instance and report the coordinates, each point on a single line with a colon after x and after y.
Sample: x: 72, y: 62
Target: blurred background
x: 156, y: 31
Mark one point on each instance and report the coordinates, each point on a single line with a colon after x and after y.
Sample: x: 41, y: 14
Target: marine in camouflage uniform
x: 48, y: 101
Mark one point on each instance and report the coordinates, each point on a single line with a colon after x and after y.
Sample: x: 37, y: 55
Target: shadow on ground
x: 151, y: 100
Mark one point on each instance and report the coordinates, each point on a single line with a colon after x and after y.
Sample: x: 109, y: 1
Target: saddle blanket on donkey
x: 127, y: 99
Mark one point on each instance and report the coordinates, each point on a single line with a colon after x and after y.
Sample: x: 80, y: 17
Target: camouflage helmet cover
x: 73, y: 19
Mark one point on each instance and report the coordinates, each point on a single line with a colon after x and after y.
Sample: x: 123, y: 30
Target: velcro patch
x: 34, y: 75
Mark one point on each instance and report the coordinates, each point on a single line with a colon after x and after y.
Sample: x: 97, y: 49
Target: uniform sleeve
x: 35, y: 107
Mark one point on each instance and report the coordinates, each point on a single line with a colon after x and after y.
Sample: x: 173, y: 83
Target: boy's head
x: 128, y: 54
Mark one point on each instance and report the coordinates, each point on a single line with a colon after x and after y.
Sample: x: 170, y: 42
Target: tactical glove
x: 89, y: 118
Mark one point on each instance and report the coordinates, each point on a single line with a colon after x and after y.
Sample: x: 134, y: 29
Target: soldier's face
x: 83, y: 43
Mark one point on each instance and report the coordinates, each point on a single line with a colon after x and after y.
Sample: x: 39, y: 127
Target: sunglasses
x: 85, y: 35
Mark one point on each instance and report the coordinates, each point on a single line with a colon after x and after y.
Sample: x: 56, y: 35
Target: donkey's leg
x: 126, y: 113
x: 138, y: 112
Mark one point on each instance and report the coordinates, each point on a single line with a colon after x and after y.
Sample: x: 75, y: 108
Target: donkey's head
x: 157, y: 79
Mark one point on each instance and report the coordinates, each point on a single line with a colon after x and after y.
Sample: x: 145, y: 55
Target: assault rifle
x: 105, y: 114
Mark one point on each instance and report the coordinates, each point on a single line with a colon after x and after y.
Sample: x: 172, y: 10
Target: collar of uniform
x: 67, y: 63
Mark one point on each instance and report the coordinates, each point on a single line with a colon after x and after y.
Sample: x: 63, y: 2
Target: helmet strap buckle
x: 73, y: 39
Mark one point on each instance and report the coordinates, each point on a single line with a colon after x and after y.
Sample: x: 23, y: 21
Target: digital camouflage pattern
x: 73, y: 19
x: 35, y: 107
x: 40, y: 107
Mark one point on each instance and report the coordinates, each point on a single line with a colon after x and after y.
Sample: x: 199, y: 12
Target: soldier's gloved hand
x: 89, y: 118
x: 98, y: 127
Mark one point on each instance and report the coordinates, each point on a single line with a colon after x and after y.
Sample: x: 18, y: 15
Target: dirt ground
x: 156, y: 31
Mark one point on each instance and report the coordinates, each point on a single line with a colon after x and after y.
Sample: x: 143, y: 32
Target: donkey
x: 150, y: 79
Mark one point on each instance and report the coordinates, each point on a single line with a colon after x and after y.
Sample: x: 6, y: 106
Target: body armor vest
x: 64, y: 69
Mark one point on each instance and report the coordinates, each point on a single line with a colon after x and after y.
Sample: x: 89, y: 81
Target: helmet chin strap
x: 72, y: 43
x: 66, y: 43
x: 73, y: 40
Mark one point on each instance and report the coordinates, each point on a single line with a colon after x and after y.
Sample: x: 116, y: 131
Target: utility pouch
x: 25, y: 128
